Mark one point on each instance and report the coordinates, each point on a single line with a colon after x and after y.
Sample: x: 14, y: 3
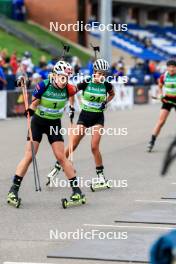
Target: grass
x: 47, y: 38
x: 12, y: 43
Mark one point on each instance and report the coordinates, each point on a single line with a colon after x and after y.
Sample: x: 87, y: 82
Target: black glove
x: 20, y: 81
x: 30, y: 111
x: 103, y: 106
x: 71, y: 112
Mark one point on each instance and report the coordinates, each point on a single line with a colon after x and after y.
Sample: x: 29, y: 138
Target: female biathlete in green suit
x: 46, y: 109
x: 94, y: 101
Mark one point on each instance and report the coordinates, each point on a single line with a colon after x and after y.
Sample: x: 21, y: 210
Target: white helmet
x: 101, y: 65
x: 63, y: 67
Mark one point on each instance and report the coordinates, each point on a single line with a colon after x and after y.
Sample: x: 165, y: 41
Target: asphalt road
x: 25, y: 232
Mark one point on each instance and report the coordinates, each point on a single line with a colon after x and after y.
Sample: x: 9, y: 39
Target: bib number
x: 94, y: 99
x: 55, y: 105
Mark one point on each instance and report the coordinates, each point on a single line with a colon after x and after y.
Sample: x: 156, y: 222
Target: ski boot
x: 54, y: 172
x: 150, y: 146
x: 99, y: 183
x: 12, y: 197
x: 151, y: 143
x: 75, y: 199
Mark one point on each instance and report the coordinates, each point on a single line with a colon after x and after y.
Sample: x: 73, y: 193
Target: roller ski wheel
x: 73, y: 201
x: 13, y: 200
x: 100, y: 186
x: 64, y: 203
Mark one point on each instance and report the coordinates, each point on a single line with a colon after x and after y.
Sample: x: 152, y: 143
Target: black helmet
x: 171, y: 62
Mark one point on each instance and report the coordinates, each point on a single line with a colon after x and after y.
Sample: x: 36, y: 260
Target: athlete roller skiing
x: 96, y: 94
x: 47, y: 107
x: 167, y: 93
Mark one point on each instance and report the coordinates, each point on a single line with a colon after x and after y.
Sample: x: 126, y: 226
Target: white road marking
x: 132, y: 226
x: 24, y: 263
x: 155, y: 201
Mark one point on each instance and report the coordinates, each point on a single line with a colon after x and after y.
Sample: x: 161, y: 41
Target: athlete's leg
x: 79, y: 134
x: 95, y: 147
x: 20, y: 172
x: 58, y: 149
x: 76, y: 138
x: 26, y: 161
x: 95, y: 142
x: 161, y: 121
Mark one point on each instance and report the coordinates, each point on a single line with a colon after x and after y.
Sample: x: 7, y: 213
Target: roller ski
x: 54, y: 173
x: 75, y: 199
x: 12, y: 197
x: 100, y: 182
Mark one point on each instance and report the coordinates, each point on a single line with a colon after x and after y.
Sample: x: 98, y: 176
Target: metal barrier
x: 12, y: 103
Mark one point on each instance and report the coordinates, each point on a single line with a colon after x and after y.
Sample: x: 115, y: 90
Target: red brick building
x: 43, y: 12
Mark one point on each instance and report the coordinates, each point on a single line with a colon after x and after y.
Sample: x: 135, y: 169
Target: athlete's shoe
x: 76, y: 196
x: 150, y: 146
x: 12, y: 197
x: 53, y: 173
x: 101, y: 178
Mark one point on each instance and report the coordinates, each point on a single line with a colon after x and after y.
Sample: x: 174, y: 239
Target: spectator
x: 120, y: 62
x: 152, y: 67
x: 113, y: 69
x: 76, y: 64
x: 28, y: 62
x: 3, y: 81
x: 36, y: 78
x: 14, y: 63
x: 44, y: 71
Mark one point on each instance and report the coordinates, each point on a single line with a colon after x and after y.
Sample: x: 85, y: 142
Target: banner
x: 15, y: 103
x: 141, y: 94
x: 3, y: 104
x: 154, y: 91
x: 124, y: 97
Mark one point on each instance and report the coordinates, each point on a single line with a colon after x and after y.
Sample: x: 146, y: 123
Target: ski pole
x: 34, y: 161
x: 71, y: 141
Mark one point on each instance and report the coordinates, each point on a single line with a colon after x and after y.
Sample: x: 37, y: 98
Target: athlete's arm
x: 160, y: 84
x: 82, y: 85
x: 35, y: 103
x: 72, y: 90
x: 37, y: 94
x: 72, y: 100
x: 110, y: 91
